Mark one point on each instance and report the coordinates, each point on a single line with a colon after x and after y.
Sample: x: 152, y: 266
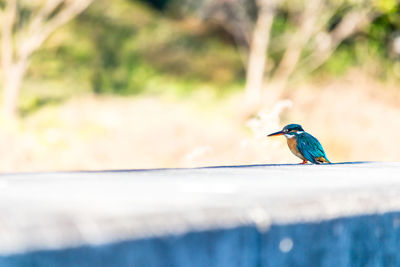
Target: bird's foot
x: 304, y: 162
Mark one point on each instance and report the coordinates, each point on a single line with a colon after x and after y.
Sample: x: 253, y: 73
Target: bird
x: 302, y: 144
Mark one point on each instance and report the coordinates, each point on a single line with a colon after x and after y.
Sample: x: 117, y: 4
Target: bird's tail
x: 320, y: 160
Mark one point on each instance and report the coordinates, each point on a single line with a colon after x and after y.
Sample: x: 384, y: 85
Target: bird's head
x: 289, y: 131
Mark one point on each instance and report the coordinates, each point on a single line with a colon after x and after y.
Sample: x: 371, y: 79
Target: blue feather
x: 310, y: 147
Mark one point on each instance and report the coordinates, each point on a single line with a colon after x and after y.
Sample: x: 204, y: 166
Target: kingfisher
x: 303, y: 145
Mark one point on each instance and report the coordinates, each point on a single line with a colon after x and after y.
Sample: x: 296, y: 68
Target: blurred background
x: 97, y: 84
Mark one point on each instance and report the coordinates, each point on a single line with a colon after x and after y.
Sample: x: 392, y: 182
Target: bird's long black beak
x: 276, y: 134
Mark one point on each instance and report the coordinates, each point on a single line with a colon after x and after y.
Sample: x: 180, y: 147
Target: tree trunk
x: 258, y: 53
x: 11, y: 88
x: 20, y: 40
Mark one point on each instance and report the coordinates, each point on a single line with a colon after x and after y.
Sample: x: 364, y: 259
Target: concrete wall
x: 354, y: 224
x: 371, y: 240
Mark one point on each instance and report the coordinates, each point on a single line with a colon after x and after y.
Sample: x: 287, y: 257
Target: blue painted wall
x: 365, y: 241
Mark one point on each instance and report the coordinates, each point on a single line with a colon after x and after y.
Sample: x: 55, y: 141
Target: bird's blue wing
x: 310, y: 147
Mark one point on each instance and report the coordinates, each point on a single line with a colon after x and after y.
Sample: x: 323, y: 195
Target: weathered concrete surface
x: 266, y: 215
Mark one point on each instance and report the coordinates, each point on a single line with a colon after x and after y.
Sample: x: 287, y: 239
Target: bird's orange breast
x: 292, y: 143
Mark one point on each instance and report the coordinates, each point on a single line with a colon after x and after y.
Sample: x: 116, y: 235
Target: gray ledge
x: 47, y: 211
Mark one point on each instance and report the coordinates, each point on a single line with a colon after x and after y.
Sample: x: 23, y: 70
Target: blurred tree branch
x: 307, y: 24
x: 233, y: 18
x: 19, y: 40
x: 351, y: 23
x: 258, y: 51
x: 313, y: 30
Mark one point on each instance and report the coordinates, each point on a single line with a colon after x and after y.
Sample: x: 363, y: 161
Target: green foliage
x: 280, y: 25
x: 159, y: 4
x: 386, y: 6
x: 129, y: 47
x: 342, y: 60
x: 370, y: 49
